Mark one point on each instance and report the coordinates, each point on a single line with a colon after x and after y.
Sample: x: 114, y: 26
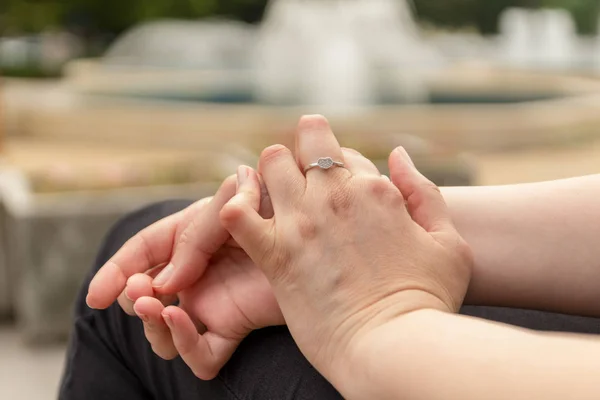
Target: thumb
x: 240, y: 217
x: 424, y: 199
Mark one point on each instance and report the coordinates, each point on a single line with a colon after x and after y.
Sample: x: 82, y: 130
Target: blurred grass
x: 29, y: 72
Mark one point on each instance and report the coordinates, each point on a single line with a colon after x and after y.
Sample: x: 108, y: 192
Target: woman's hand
x: 221, y: 292
x: 230, y: 300
x: 347, y: 251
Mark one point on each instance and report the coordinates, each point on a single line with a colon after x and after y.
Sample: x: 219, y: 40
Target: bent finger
x: 157, y: 332
x: 205, y: 354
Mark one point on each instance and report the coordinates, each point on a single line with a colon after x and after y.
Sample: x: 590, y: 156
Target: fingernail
x: 127, y: 296
x: 402, y: 153
x: 242, y: 174
x: 143, y: 317
x: 168, y: 320
x: 162, y: 278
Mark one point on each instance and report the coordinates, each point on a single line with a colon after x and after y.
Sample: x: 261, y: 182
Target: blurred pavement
x: 28, y: 373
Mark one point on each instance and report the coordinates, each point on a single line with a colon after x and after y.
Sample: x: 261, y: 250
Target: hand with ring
x: 347, y: 252
x: 188, y: 240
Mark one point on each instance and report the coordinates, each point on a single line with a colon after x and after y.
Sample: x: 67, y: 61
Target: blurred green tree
x: 585, y: 12
x: 484, y: 14
x: 114, y: 16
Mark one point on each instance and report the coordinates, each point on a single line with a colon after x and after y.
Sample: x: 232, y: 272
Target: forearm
x: 432, y: 355
x: 535, y: 245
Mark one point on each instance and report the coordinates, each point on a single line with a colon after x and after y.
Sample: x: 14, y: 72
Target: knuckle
x: 382, y: 188
x: 231, y: 213
x: 377, y: 186
x: 273, y: 153
x: 429, y: 187
x: 307, y: 228
x: 187, y: 238
x: 423, y: 191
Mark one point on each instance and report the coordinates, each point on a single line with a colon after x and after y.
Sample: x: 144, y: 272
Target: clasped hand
x: 335, y: 254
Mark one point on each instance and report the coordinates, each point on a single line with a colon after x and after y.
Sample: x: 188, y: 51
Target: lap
x: 108, y: 355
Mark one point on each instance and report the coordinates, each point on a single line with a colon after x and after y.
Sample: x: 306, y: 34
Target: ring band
x: 324, y: 163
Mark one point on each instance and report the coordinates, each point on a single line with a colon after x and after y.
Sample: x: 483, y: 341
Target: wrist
x: 359, y: 372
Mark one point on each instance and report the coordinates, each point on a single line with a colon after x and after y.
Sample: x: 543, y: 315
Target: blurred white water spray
x: 341, y: 53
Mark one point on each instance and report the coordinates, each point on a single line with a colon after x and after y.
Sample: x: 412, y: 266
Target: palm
x: 233, y: 297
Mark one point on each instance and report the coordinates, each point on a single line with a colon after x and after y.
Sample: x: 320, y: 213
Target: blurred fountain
x: 558, y: 38
x: 338, y: 71
x: 340, y: 54
x: 401, y: 60
x: 517, y: 37
x: 538, y: 38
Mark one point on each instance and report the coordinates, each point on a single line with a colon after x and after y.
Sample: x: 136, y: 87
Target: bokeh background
x: 106, y: 106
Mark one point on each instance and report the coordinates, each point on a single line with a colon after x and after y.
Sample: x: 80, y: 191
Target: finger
x: 248, y: 187
x: 151, y: 247
x: 148, y: 248
x: 359, y: 164
x: 283, y: 180
x: 205, y: 354
x: 138, y: 285
x: 266, y: 208
x: 126, y: 303
x: 315, y: 140
x: 424, y: 199
x: 240, y: 218
x: 157, y: 332
x: 194, y: 247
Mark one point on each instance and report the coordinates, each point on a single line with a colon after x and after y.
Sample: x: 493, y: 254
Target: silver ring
x: 324, y: 163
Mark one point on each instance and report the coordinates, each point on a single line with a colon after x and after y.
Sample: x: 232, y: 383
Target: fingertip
x: 170, y: 310
x: 91, y: 302
x: 242, y: 175
x: 148, y: 306
x: 99, y: 301
x: 272, y: 152
x: 313, y: 121
x: 403, y: 156
x: 171, y: 316
x: 139, y: 285
x: 106, y: 286
x: 248, y: 183
x: 226, y: 190
x: 397, y: 165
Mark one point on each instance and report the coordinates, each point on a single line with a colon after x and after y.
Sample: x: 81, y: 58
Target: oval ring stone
x: 325, y: 163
